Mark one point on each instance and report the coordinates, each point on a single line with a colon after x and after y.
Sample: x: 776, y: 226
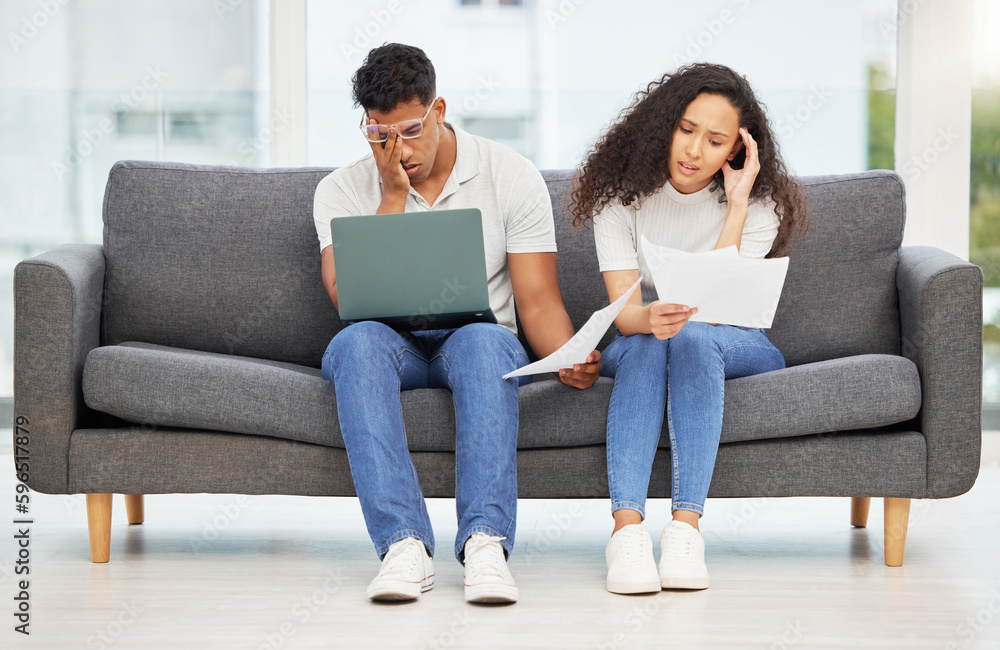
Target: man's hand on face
x: 388, y: 154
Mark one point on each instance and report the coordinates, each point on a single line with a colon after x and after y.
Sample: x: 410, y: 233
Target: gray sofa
x: 182, y: 356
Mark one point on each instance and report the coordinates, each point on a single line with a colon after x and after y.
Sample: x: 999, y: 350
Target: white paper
x: 725, y: 287
x: 577, y: 349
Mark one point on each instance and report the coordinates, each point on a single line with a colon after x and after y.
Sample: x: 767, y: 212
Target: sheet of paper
x: 725, y: 287
x: 583, y: 342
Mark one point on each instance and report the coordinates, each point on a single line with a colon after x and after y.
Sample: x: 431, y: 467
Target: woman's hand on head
x: 665, y: 319
x: 739, y: 182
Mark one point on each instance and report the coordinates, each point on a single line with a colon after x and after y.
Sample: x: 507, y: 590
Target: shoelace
x: 486, y: 555
x: 402, y: 558
x: 679, y: 543
x: 632, y: 546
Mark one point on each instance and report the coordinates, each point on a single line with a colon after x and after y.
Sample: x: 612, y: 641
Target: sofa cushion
x: 219, y: 259
x: 157, y: 386
x: 225, y: 259
x: 839, y: 297
x: 859, y: 392
x: 580, y: 279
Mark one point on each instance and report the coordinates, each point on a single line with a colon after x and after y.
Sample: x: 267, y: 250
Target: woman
x: 692, y: 164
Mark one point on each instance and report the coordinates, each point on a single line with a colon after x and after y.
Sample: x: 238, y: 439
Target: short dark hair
x: 393, y: 74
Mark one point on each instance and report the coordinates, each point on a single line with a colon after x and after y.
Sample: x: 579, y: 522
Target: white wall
x: 808, y: 62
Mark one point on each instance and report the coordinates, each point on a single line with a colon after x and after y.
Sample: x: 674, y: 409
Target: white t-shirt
x: 503, y: 184
x: 687, y: 222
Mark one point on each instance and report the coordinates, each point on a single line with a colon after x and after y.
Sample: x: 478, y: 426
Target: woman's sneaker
x: 487, y: 578
x: 682, y: 557
x: 407, y: 571
x: 631, y: 567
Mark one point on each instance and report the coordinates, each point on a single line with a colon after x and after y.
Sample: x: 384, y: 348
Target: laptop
x: 412, y: 271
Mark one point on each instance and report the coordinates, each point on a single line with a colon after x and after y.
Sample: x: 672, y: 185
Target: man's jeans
x: 369, y: 364
x: 687, y: 374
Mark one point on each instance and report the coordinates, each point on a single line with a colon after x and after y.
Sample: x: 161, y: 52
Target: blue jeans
x: 686, y: 374
x: 369, y: 364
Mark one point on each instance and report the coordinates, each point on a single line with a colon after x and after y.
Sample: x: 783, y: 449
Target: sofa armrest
x: 57, y: 321
x: 941, y: 329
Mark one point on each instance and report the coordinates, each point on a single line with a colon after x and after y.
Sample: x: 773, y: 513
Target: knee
x: 646, y: 348
x: 491, y: 339
x: 364, y: 340
x: 489, y: 344
x: 642, y: 353
x: 694, y: 338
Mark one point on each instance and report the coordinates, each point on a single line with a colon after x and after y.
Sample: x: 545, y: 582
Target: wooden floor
x: 224, y: 571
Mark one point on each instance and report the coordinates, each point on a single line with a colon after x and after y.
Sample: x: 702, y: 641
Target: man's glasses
x: 407, y: 129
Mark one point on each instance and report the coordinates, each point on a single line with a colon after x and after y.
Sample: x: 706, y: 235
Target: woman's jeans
x: 369, y: 364
x: 686, y: 374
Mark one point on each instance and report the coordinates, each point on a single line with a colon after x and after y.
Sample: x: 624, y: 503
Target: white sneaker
x: 487, y: 578
x: 682, y: 557
x: 631, y: 567
x: 407, y: 571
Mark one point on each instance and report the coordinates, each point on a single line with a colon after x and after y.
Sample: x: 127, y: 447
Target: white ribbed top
x: 687, y: 222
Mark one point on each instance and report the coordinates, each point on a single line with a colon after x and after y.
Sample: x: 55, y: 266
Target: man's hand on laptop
x: 395, y: 182
x: 582, y: 375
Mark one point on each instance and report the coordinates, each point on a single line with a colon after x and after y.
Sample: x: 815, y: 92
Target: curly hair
x: 391, y: 74
x: 629, y: 162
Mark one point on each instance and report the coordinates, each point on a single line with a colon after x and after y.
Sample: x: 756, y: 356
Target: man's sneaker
x: 487, y: 579
x: 407, y: 572
x: 682, y: 557
x: 631, y: 567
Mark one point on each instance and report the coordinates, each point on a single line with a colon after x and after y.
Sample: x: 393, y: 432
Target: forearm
x: 331, y: 290
x: 547, y: 329
x: 633, y: 319
x: 329, y: 274
x: 732, y: 229
x: 392, y: 203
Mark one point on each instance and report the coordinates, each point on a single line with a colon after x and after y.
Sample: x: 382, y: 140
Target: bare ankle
x: 625, y: 517
x: 689, y: 517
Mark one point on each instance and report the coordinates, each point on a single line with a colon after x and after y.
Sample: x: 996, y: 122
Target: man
x: 420, y: 163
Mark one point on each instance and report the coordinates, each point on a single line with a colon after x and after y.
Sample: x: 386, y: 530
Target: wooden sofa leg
x: 134, y: 508
x: 897, y: 516
x: 99, y: 524
x: 859, y: 511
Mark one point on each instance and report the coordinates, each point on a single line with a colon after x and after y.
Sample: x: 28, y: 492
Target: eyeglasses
x: 407, y: 129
